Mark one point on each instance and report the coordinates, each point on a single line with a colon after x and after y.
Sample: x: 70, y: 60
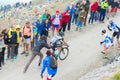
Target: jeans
x: 80, y: 24
x: 102, y: 14
x: 97, y: 16
x: 85, y: 18
x: 74, y: 19
x: 69, y: 24
x: 11, y: 51
x: 3, y: 55
x: 16, y: 49
x: 0, y: 59
x: 92, y: 17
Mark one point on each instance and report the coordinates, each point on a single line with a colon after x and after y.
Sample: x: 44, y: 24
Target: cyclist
x: 57, y: 42
x: 113, y: 27
x: 107, y: 43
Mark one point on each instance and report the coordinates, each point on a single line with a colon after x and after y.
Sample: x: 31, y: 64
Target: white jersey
x: 56, y: 39
x: 56, y: 20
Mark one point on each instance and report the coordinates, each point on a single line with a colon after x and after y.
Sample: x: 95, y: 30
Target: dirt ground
x: 84, y: 56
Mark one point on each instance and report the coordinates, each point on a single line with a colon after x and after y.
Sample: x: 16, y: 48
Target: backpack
x: 53, y: 62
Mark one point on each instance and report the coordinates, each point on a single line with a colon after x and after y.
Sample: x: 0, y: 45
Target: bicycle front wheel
x: 64, y: 53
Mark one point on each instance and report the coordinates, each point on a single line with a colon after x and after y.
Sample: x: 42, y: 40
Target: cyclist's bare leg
x: 106, y: 52
x: 118, y: 41
x: 24, y: 45
x: 59, y: 50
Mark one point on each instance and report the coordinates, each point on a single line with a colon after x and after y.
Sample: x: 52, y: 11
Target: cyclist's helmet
x: 61, y: 33
x: 104, y: 31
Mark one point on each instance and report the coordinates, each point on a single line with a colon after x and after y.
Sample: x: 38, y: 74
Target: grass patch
x: 116, y: 76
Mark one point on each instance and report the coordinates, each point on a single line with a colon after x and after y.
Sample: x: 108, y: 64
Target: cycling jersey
x: 107, y: 41
x: 114, y: 27
x: 57, y: 41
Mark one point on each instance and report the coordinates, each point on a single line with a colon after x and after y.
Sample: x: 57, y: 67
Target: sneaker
x: 39, y: 64
x: 106, y: 57
x: 76, y: 29
x: 57, y: 55
x: 7, y: 58
x: 80, y: 29
x: 15, y: 57
x: 23, y: 53
x: 12, y: 60
x: 103, y: 52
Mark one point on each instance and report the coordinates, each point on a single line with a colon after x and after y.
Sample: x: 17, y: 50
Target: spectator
x: 72, y: 9
x: 93, y: 9
x: 5, y: 34
x: 2, y: 45
x: 45, y: 15
x: 75, y: 15
x: 35, y: 35
x: 81, y: 19
x: 56, y: 22
x: 65, y: 20
x: 27, y: 33
x: 37, y: 26
x: 19, y: 35
x: 104, y: 6
x: 44, y: 27
x: 86, y: 6
x: 12, y: 34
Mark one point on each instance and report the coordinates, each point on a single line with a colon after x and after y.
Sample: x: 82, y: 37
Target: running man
x: 114, y: 27
x: 107, y: 43
x: 37, y: 51
x: 46, y: 64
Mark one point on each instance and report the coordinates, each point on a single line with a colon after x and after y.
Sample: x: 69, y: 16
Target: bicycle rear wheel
x: 64, y: 53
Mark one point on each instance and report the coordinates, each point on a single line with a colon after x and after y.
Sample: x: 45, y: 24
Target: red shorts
x: 49, y: 77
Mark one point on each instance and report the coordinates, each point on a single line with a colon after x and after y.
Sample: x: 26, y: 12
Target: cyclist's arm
x: 65, y: 43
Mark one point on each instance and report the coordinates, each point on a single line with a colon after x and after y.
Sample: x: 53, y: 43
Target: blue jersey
x: 46, y: 64
x: 107, y: 39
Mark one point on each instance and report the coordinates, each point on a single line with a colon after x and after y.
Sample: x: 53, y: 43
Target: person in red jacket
x: 65, y: 20
x: 93, y: 8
